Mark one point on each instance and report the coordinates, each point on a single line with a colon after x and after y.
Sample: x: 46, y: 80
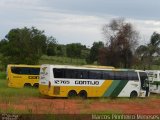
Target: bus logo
x: 44, y: 69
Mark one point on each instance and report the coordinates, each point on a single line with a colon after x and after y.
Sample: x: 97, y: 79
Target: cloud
x: 71, y: 21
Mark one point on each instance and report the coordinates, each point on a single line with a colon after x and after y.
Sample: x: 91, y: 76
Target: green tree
x: 51, y: 46
x: 74, y: 50
x: 3, y: 43
x: 94, y: 52
x: 61, y: 50
x: 147, y: 53
x: 24, y: 46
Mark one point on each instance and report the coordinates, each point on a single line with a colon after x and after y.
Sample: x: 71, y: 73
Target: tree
x: 74, y: 50
x: 102, y: 55
x: 93, y: 56
x: 121, y: 40
x: 61, y: 50
x: 146, y: 53
x: 3, y: 43
x: 51, y: 46
x: 24, y: 46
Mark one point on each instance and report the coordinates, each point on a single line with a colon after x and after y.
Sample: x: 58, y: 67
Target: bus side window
x: 68, y: 73
x: 155, y: 75
x: 24, y: 71
x: 58, y: 73
x: 132, y: 75
x: 85, y: 74
x: 108, y: 75
x: 15, y: 70
x: 93, y: 74
x: 34, y: 71
x: 120, y: 75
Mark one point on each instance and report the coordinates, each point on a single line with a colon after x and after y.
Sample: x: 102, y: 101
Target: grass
x: 61, y: 60
x: 2, y: 75
x: 15, y: 95
x: 155, y: 67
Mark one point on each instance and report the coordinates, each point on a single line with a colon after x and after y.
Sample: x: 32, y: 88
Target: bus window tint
x: 93, y: 74
x: 143, y: 75
x: 58, y: 73
x: 120, y: 75
x: 15, y: 70
x: 25, y: 70
x: 132, y: 75
x: 34, y: 71
x: 155, y: 75
x: 68, y: 73
x: 85, y: 74
x: 108, y: 75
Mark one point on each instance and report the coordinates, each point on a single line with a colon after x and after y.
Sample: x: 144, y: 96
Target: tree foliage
x: 94, y: 52
x: 23, y: 46
x: 51, y: 46
x: 74, y: 50
x: 121, y: 40
x: 147, y: 53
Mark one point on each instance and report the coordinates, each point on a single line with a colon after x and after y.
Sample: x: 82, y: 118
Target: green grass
x: 61, y: 60
x: 155, y: 67
x: 13, y: 110
x: 2, y: 75
x: 12, y: 94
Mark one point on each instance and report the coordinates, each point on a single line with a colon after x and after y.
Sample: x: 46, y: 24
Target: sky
x: 72, y: 21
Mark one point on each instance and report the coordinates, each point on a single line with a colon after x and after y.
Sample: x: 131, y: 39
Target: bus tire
x: 72, y: 94
x: 133, y: 94
x: 36, y: 85
x: 27, y: 85
x: 83, y: 94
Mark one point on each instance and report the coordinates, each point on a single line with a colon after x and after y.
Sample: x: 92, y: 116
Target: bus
x: 70, y: 81
x: 154, y: 78
x: 20, y: 76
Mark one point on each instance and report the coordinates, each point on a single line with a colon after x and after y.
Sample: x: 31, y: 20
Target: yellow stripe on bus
x: 92, y: 91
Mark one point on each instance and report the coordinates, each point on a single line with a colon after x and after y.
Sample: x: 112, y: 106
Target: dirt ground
x: 41, y: 105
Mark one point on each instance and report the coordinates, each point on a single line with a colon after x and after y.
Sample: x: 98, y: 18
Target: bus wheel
x: 36, y: 85
x: 27, y: 85
x: 72, y: 94
x: 83, y: 94
x: 133, y: 94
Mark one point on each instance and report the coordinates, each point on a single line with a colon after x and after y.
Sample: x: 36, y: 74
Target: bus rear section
x: 45, y: 80
x: 20, y: 76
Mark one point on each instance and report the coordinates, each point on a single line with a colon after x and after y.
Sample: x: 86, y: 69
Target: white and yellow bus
x: 19, y: 76
x: 69, y: 81
x: 154, y: 78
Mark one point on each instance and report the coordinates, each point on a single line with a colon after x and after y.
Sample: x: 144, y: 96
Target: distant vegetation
x: 121, y: 49
x: 61, y: 60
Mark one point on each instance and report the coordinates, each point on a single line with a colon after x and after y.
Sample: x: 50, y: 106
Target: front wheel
x: 133, y: 94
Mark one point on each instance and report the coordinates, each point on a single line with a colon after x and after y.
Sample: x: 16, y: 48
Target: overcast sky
x: 79, y: 20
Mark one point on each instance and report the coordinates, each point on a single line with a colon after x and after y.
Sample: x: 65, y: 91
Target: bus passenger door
x: 144, y: 82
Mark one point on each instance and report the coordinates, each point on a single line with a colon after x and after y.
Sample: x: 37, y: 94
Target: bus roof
x: 98, y: 66
x: 87, y: 67
x: 22, y: 65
